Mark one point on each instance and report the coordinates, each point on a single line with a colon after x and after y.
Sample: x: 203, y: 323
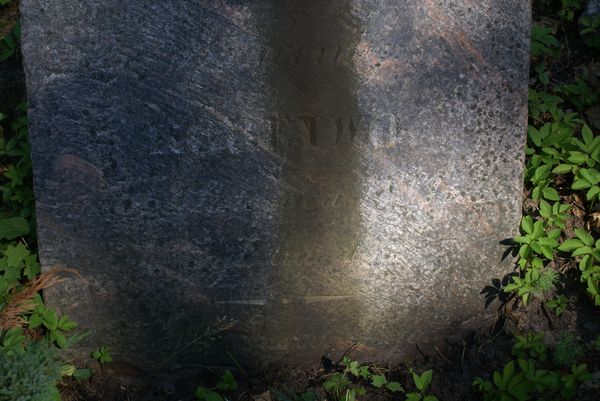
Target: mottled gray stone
x: 323, y: 173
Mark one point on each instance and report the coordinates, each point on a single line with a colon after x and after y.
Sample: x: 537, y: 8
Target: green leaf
x: 66, y: 324
x: 227, y: 382
x: 524, y: 250
x: 364, y: 372
x: 507, y: 374
x: 378, y: 380
x: 581, y: 251
x: 32, y: 267
x: 426, y: 380
x: 548, y: 242
x: 545, y: 209
x: 538, y: 228
x: 213, y: 396
x: 577, y: 158
x: 554, y: 234
x: 82, y: 374
x: 13, y: 227
x: 535, y: 136
x: 587, y: 134
x: 547, y: 251
x: 584, y: 236
x: 537, y: 248
x: 60, y: 339
x: 550, y: 193
x: 592, y: 192
x: 430, y: 398
x: 591, y: 175
x: 50, y: 319
x: 562, y: 169
x: 67, y: 370
x: 15, y: 254
x: 570, y: 244
x: 394, y: 387
x: 580, y: 183
x: 527, y: 224
x: 522, y: 240
x: 204, y: 394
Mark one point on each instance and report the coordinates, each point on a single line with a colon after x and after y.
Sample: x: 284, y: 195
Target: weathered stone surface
x: 320, y: 172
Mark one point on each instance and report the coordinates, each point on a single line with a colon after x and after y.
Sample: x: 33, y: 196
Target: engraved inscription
x: 313, y: 131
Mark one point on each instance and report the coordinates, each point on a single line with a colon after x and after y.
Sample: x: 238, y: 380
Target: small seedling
x: 536, y: 243
x: 343, y: 389
x: 530, y: 346
x: 506, y: 385
x: 579, y: 94
x: 588, y: 179
x: 102, y: 355
x: 569, y: 8
x: 543, y: 42
x: 558, y: 305
x: 585, y: 247
x: 555, y: 214
x: 225, y: 384
x: 591, y: 31
x: 10, y: 43
x: 422, y: 383
x: 534, y: 283
x: 567, y: 351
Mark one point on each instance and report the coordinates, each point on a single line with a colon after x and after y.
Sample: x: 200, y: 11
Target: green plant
x: 558, y: 304
x: 534, y: 283
x: 16, y: 185
x: 30, y: 374
x: 225, y: 384
x: 507, y: 385
x: 524, y: 381
x: 20, y: 278
x: 588, y: 179
x: 57, y: 327
x: 591, y: 31
x: 543, y: 106
x: 578, y: 94
x: 530, y: 346
x: 535, y: 243
x: 542, y: 181
x: 10, y: 43
x: 339, y: 385
x: 578, y: 374
x: 380, y: 381
x: 587, y: 153
x: 567, y: 351
x: 13, y: 340
x: 596, y: 343
x: 422, y: 383
x: 585, y: 247
x: 17, y: 263
x: 555, y: 214
x: 569, y: 8
x: 102, y: 355
x: 543, y: 42
x: 343, y: 389
x: 543, y: 75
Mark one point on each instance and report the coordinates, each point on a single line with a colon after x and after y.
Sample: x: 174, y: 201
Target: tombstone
x: 276, y: 179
